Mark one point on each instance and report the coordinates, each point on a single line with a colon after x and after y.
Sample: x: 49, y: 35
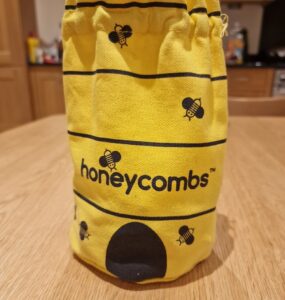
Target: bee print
x: 193, y: 108
x: 109, y: 159
x: 120, y: 34
x: 84, y: 231
x: 186, y: 235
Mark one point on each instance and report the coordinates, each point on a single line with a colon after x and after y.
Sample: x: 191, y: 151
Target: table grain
x: 36, y: 209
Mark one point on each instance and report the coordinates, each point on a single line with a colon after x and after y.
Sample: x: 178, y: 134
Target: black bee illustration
x: 193, y: 108
x: 84, y: 231
x: 186, y: 235
x: 120, y: 34
x: 109, y: 159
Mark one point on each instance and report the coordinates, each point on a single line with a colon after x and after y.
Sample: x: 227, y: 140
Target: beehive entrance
x: 135, y: 253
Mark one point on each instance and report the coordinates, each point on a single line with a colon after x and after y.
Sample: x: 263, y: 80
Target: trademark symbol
x: 212, y: 170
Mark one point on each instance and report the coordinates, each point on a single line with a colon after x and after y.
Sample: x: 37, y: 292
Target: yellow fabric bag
x: 146, y: 99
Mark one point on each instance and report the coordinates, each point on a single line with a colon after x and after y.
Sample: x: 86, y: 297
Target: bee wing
x: 187, y: 102
x: 127, y: 31
x: 113, y: 37
x: 190, y: 240
x: 103, y: 162
x: 116, y: 156
x: 200, y: 112
x: 128, y: 34
x: 183, y: 230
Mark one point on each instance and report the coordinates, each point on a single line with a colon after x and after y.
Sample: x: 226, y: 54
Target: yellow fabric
x: 147, y: 120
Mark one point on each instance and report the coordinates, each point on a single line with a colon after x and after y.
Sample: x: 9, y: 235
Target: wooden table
x: 36, y: 208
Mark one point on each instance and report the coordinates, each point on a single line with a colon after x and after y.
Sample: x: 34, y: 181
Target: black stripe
x: 143, y: 76
x: 219, y: 78
x: 70, y: 7
x: 215, y: 14
x: 198, y: 10
x: 144, y: 218
x: 203, y: 10
x: 127, y: 5
x: 143, y: 5
x: 146, y: 144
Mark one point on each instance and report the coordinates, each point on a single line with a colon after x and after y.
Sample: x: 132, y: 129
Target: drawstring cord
x: 225, y: 21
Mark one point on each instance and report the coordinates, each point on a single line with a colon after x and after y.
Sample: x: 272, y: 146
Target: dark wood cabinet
x: 250, y: 82
x: 15, y: 104
x: 250, y: 92
x: 47, y: 90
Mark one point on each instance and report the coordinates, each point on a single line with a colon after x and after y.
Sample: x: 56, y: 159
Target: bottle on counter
x: 33, y: 43
x: 54, y: 52
x: 39, y: 56
x: 236, y: 44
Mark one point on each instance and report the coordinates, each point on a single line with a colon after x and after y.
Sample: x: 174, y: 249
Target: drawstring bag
x: 146, y: 99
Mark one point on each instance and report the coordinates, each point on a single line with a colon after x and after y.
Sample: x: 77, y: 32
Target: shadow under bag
x: 146, y: 99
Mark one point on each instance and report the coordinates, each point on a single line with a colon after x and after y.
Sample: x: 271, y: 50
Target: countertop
x: 36, y: 208
x: 259, y: 65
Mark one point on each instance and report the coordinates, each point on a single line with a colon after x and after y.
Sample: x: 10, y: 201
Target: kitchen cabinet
x: 259, y: 106
x: 11, y: 40
x: 15, y: 106
x: 250, y: 92
x: 47, y: 90
x: 26, y: 93
x: 250, y: 82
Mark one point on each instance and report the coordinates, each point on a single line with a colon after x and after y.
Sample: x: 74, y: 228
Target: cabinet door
x: 47, y: 89
x: 246, y: 82
x: 15, y: 106
x: 11, y: 40
x: 271, y: 106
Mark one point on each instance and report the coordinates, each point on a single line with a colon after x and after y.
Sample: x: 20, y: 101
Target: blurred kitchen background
x: 31, y: 50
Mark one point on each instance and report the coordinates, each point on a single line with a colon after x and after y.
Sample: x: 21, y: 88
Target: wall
x: 49, y: 14
x: 250, y: 17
